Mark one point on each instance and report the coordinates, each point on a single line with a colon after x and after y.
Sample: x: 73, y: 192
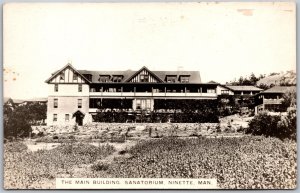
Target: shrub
x: 274, y: 125
x: 122, y: 152
x: 100, y: 166
x: 264, y: 124
x: 40, y: 134
x: 287, y: 125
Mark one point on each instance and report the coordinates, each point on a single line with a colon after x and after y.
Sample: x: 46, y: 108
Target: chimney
x: 180, y: 68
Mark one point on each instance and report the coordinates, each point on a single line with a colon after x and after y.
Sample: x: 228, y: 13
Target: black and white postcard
x: 149, y: 95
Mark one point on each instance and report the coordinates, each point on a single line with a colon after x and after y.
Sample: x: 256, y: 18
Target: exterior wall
x: 220, y: 88
x: 66, y: 105
x: 68, y: 90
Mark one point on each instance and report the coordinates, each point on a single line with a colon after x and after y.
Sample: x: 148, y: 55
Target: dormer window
x: 88, y: 76
x: 104, y: 78
x: 171, y: 78
x: 184, y: 79
x: 144, y: 78
x: 117, y: 78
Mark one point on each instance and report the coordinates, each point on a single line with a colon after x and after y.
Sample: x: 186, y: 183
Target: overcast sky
x: 220, y: 40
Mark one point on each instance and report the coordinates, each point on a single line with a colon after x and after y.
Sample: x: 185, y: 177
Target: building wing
x: 68, y: 74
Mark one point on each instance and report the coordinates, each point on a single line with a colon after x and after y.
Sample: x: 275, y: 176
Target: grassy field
x: 246, y: 162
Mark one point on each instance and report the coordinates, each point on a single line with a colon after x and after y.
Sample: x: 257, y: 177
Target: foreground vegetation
x: 248, y: 162
x: 24, y: 169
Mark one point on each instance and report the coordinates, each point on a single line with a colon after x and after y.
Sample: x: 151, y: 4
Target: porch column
x: 134, y: 90
x: 152, y: 90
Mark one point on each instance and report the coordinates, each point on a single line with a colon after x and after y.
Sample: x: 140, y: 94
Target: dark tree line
x: 17, y: 119
x: 251, y: 80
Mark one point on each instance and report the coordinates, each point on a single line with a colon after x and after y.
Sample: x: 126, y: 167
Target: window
x: 104, y: 78
x: 54, y: 117
x: 144, y: 104
x: 138, y: 104
x: 171, y: 79
x: 55, y: 103
x: 93, y: 90
x: 144, y: 78
x: 224, y: 91
x: 79, y: 87
x: 75, y: 76
x: 79, y: 103
x: 67, y: 117
x: 211, y: 90
x: 88, y: 76
x: 56, y: 88
x: 117, y: 78
x: 184, y: 79
x: 62, y: 76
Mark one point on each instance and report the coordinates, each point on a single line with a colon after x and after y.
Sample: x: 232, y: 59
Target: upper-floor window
x: 75, y: 76
x: 79, y: 87
x: 224, y: 91
x: 54, y: 117
x: 184, y: 79
x: 88, y: 76
x: 117, y: 78
x: 67, y: 117
x: 104, y: 78
x: 211, y: 90
x: 79, y: 103
x: 56, y: 88
x: 55, y: 105
x: 62, y: 76
x: 144, y: 78
x: 171, y: 79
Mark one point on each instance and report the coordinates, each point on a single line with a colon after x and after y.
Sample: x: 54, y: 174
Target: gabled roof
x: 213, y: 82
x: 66, y: 66
x: 144, y: 68
x: 127, y: 74
x: 96, y: 74
x: 194, y: 75
x: 280, y: 89
x: 243, y: 88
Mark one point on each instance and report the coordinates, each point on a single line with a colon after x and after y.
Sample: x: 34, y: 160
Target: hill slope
x: 284, y: 78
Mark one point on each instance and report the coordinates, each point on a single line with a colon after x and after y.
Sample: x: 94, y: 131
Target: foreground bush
x: 274, y: 125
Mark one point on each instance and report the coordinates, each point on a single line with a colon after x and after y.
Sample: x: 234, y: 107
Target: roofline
x: 67, y: 65
x: 259, y: 89
x: 144, y: 67
x: 154, y: 83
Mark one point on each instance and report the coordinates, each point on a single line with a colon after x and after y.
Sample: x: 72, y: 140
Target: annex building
x: 75, y: 96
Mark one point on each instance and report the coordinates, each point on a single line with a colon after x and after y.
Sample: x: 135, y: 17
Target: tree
x: 289, y: 99
x: 18, y: 119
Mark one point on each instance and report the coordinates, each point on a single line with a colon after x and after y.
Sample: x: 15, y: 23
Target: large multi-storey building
x: 76, y: 95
